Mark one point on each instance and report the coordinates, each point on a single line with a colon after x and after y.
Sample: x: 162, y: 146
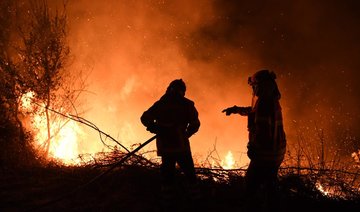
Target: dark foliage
x: 16, y: 151
x: 137, y: 188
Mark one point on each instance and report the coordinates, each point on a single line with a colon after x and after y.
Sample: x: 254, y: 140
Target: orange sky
x: 135, y: 48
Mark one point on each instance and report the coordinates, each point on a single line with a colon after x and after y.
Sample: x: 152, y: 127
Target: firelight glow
x: 65, y: 133
x: 135, y: 48
x: 229, y: 162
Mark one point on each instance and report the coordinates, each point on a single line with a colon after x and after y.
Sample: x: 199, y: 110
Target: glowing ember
x: 229, y: 162
x: 356, y: 156
x: 322, y: 189
x: 64, y: 132
x: 26, y: 100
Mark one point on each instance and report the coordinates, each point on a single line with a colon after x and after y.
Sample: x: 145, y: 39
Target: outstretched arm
x: 244, y: 111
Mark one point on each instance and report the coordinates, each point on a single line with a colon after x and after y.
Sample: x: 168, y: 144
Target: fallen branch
x: 97, y: 177
x: 89, y: 124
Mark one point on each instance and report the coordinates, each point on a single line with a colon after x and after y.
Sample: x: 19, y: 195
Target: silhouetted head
x: 264, y: 85
x: 261, y: 76
x: 176, y: 87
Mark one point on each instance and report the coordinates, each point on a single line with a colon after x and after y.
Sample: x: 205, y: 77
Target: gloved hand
x: 153, y: 128
x: 230, y: 110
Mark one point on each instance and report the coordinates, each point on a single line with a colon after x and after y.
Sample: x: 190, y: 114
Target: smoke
x: 135, y: 48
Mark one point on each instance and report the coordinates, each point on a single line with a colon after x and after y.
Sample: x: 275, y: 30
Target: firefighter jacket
x: 174, y: 119
x: 267, y: 141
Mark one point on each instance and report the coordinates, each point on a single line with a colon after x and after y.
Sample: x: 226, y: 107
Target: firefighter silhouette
x: 267, y: 141
x: 174, y: 119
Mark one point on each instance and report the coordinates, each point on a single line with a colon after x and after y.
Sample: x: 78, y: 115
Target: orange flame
x: 65, y: 133
x: 229, y: 162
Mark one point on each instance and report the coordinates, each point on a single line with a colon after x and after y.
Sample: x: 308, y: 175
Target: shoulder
x: 188, y: 101
x: 155, y: 105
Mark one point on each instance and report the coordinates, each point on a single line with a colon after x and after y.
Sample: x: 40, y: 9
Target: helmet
x: 261, y: 76
x: 264, y: 85
x: 177, y: 86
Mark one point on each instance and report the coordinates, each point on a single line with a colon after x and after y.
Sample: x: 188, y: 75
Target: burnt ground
x: 138, y: 189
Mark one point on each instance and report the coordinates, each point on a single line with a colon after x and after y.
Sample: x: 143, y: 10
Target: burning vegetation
x: 49, y: 158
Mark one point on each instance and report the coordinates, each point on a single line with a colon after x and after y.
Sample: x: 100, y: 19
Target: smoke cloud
x: 135, y: 48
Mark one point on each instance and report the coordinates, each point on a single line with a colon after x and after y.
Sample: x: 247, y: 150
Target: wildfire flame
x: 65, y: 134
x: 64, y: 140
x: 229, y: 162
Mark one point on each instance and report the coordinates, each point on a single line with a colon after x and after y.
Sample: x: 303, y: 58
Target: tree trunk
x: 48, y: 142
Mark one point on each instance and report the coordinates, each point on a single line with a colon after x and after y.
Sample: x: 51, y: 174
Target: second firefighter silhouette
x: 267, y: 140
x: 174, y: 119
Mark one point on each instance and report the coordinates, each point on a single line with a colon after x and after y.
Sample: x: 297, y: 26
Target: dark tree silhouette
x: 45, y: 54
x: 12, y: 133
x: 34, y: 56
